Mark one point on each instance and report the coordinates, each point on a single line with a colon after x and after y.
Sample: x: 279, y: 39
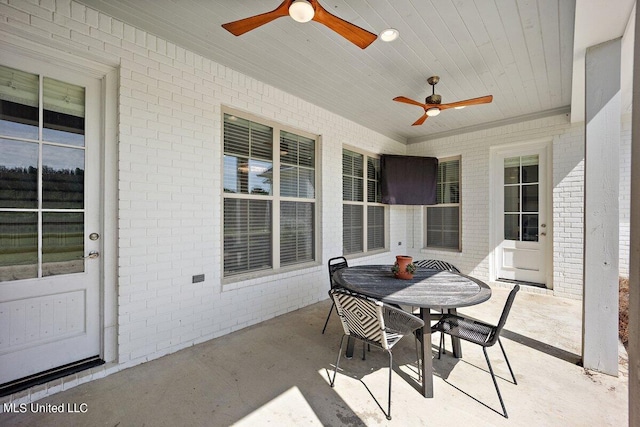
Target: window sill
x: 429, y: 249
x: 255, y: 278
x: 367, y: 254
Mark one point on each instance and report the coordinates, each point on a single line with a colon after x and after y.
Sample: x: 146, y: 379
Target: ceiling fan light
x: 301, y: 11
x: 389, y: 35
x: 433, y: 111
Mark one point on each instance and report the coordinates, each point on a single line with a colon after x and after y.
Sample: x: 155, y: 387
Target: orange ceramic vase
x: 402, y: 261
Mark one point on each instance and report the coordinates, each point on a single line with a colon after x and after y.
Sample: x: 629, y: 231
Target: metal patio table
x: 429, y: 289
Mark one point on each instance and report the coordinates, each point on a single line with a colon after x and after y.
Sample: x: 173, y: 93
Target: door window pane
x: 512, y: 199
x: 18, y: 103
x: 512, y: 170
x: 58, y: 175
x: 62, y: 243
x: 62, y: 177
x: 18, y: 245
x: 530, y: 168
x: 512, y: 227
x: 521, y: 195
x: 530, y: 228
x: 530, y: 198
x: 18, y: 174
x: 63, y: 112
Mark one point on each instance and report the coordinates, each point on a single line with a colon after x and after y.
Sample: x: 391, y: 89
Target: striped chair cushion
x: 436, y: 264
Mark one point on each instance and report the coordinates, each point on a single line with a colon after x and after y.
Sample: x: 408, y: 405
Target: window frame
x: 365, y: 206
x: 275, y: 198
x: 446, y: 205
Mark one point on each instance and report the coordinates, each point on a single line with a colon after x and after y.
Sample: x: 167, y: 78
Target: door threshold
x: 50, y: 375
x: 522, y: 282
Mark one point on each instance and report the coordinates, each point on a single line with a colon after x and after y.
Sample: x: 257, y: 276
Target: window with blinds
x: 297, y: 192
x: 269, y: 197
x: 363, y: 214
x: 443, y: 220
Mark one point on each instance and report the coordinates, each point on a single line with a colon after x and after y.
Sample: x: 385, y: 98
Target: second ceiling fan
x: 304, y: 11
x: 433, y: 104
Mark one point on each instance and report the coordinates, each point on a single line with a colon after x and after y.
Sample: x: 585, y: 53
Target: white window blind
x: 443, y: 219
x: 297, y: 186
x: 363, y: 218
x: 265, y: 168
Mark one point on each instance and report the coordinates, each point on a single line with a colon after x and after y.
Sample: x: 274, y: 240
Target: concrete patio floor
x: 276, y: 373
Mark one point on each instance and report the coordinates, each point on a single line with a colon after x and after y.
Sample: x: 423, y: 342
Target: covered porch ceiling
x: 528, y: 54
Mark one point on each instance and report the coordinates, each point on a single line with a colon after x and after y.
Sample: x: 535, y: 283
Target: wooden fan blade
x: 242, y: 26
x: 356, y: 35
x: 420, y: 120
x: 406, y: 100
x: 475, y: 101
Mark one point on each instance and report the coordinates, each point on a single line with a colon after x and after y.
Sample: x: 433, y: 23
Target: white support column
x: 634, y: 250
x: 601, y: 218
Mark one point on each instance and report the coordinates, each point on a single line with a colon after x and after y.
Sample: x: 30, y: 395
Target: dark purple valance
x: 408, y: 180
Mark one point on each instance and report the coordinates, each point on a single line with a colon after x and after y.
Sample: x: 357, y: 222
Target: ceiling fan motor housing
x: 433, y: 99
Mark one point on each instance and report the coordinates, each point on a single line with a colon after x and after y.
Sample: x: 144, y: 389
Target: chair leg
x: 390, y: 372
x: 335, y: 371
x: 418, y: 359
x: 333, y: 304
x: 507, y: 360
x: 495, y: 383
x: 441, y: 345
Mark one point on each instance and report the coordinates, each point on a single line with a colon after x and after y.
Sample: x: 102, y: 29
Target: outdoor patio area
x: 276, y: 373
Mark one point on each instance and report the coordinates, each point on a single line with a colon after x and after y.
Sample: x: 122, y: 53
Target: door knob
x: 92, y: 255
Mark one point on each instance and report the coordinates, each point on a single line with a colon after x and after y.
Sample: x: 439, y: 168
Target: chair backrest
x: 334, y: 265
x: 361, y: 316
x: 505, y: 314
x: 436, y: 264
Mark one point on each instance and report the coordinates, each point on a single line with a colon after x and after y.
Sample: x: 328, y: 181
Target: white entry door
x: 521, y: 221
x: 49, y: 218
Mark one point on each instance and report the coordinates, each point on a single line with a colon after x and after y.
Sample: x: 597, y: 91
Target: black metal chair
x: 477, y: 332
x: 374, y: 323
x: 334, y: 265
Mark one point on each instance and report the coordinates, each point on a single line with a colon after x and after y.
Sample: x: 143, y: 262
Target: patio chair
x: 334, y: 265
x: 436, y: 264
x: 477, y: 332
x: 374, y: 323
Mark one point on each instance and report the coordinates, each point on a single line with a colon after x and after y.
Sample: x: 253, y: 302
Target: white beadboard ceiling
x: 519, y: 51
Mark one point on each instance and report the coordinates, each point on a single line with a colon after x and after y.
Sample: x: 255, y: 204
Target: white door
x: 49, y: 218
x: 521, y: 222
